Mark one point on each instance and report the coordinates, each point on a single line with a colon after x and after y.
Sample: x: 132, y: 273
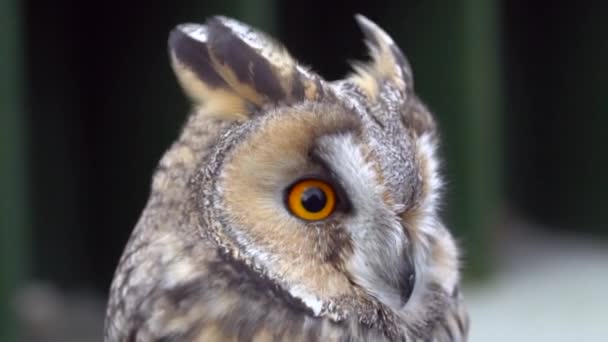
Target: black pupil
x: 313, y: 199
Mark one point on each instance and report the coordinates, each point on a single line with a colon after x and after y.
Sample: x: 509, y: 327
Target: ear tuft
x: 191, y: 62
x: 231, y: 70
x: 249, y: 61
x: 388, y: 62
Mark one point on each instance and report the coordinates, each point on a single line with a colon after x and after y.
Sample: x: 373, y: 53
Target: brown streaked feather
x: 257, y: 66
x: 232, y: 70
x: 248, y: 71
x: 188, y: 49
x: 233, y: 303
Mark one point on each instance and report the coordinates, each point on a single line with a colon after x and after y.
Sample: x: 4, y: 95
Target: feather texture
x: 218, y: 255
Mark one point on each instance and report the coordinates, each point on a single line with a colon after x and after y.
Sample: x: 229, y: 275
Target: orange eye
x: 311, y: 199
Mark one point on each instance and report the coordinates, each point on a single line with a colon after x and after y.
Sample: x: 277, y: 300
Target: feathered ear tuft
x: 388, y: 63
x: 231, y: 70
x: 188, y: 48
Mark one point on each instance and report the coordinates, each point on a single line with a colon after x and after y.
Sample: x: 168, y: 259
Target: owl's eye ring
x: 311, y: 199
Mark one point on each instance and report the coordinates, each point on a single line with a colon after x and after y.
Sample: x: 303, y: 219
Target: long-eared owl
x: 291, y: 207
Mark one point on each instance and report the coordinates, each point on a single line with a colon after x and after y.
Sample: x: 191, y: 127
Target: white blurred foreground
x: 548, y: 288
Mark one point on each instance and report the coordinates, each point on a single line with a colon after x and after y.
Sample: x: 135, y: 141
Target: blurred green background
x: 88, y: 104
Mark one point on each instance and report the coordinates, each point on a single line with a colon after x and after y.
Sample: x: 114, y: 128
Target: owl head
x: 328, y: 190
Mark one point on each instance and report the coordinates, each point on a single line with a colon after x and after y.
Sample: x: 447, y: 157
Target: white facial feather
x: 377, y: 232
x: 377, y: 235
x: 446, y: 272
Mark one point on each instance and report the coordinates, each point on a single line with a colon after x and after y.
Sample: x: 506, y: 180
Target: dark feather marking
x: 314, y: 333
x: 297, y: 88
x: 240, y: 276
x: 462, y: 324
x: 135, y: 326
x: 187, y: 291
x: 195, y: 56
x: 132, y: 337
x: 248, y: 65
x: 319, y: 88
x: 446, y: 327
x: 406, y: 284
x: 373, y: 113
x: 171, y: 338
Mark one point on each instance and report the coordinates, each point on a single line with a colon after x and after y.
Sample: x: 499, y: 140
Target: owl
x: 291, y: 207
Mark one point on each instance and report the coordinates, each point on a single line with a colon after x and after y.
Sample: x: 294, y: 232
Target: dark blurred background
x: 88, y: 104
